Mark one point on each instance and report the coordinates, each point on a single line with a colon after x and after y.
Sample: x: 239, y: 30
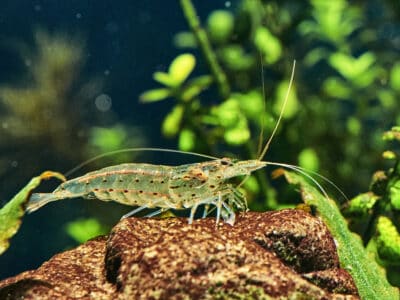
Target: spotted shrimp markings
x: 100, y: 190
x: 104, y: 175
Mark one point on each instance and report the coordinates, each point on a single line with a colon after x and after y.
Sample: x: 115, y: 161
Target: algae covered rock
x: 278, y: 255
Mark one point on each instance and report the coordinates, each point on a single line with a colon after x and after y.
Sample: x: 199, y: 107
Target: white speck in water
x: 228, y: 3
x: 37, y: 7
x: 103, y: 102
x: 28, y: 62
x: 78, y: 16
x: 14, y: 164
x: 107, y: 72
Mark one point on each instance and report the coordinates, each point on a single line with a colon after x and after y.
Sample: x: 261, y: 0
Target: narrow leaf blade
x: 368, y: 276
x: 12, y: 212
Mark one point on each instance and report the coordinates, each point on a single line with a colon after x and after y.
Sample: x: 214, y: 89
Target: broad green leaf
x: 12, y: 212
x: 195, y: 87
x: 268, y: 44
x: 239, y: 134
x: 308, y: 159
x: 361, y: 205
x: 155, y: 95
x: 82, y: 230
x: 335, y: 87
x: 395, y: 77
x: 293, y: 103
x: 394, y: 192
x: 358, y: 70
x: 235, y: 58
x: 354, y: 126
x: 172, y: 121
x: 181, y: 67
x: 389, y: 155
x: 393, y: 134
x: 388, y: 241
x: 227, y: 112
x: 367, y: 274
x: 164, y: 78
x: 314, y: 56
x: 220, y: 25
x: 387, y: 98
x: 187, y: 140
x: 252, y: 104
x: 185, y: 39
x: 108, y: 139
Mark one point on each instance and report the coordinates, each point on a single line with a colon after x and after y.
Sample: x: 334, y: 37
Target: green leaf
x: 220, y: 25
x: 185, y: 39
x: 154, y: 95
x: 228, y: 112
x: 251, y: 104
x: 195, y: 87
x: 335, y: 87
x: 293, y: 103
x: 388, y: 241
x: 394, y: 192
x: 164, y: 78
x: 368, y: 276
x: 108, y: 139
x: 181, y: 67
x: 82, y: 230
x: 187, y: 140
x: 393, y: 134
x: 354, y: 126
x: 361, y: 205
x: 236, y: 59
x: 172, y: 121
x: 358, y: 70
x: 12, y: 212
x: 239, y: 134
x: 268, y: 45
x: 395, y: 77
x: 308, y: 159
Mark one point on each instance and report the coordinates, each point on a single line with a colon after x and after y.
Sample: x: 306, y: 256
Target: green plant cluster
x: 344, y: 97
x: 375, y: 215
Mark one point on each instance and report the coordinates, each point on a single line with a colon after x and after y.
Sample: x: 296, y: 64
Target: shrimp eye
x: 226, y: 162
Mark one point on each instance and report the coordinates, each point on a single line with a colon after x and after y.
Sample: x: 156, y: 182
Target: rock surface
x: 279, y: 255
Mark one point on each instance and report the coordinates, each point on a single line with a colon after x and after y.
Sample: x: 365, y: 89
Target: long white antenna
x: 135, y: 150
x: 280, y: 114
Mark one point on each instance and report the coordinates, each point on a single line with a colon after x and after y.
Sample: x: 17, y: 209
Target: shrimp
x: 168, y: 187
x: 165, y: 187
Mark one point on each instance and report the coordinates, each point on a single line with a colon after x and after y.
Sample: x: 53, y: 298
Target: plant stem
x: 205, y: 46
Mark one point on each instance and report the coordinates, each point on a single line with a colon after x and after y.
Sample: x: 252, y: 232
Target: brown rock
x: 282, y: 254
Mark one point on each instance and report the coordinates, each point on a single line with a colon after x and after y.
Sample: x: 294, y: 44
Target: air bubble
x: 103, y: 102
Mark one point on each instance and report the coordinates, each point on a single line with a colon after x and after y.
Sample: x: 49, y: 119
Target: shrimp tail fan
x: 37, y: 200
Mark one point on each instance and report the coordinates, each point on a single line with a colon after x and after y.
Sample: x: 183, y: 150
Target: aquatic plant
x: 348, y: 110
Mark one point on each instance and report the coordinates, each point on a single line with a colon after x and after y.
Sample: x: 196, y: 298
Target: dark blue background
x: 130, y: 40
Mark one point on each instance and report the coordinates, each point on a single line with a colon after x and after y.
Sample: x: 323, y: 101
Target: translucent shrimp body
x: 165, y: 187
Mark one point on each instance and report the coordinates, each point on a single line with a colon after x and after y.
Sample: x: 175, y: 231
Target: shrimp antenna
x: 135, y: 150
x: 304, y: 173
x: 308, y: 172
x: 280, y: 114
x: 261, y: 136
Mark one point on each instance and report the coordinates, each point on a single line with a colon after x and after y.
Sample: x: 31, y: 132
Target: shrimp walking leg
x: 157, y: 212
x: 133, y: 212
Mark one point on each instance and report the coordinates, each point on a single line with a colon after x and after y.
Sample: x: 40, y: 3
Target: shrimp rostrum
x: 163, y: 187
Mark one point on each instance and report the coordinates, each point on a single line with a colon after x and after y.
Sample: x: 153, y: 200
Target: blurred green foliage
x: 82, y: 230
x: 345, y: 95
